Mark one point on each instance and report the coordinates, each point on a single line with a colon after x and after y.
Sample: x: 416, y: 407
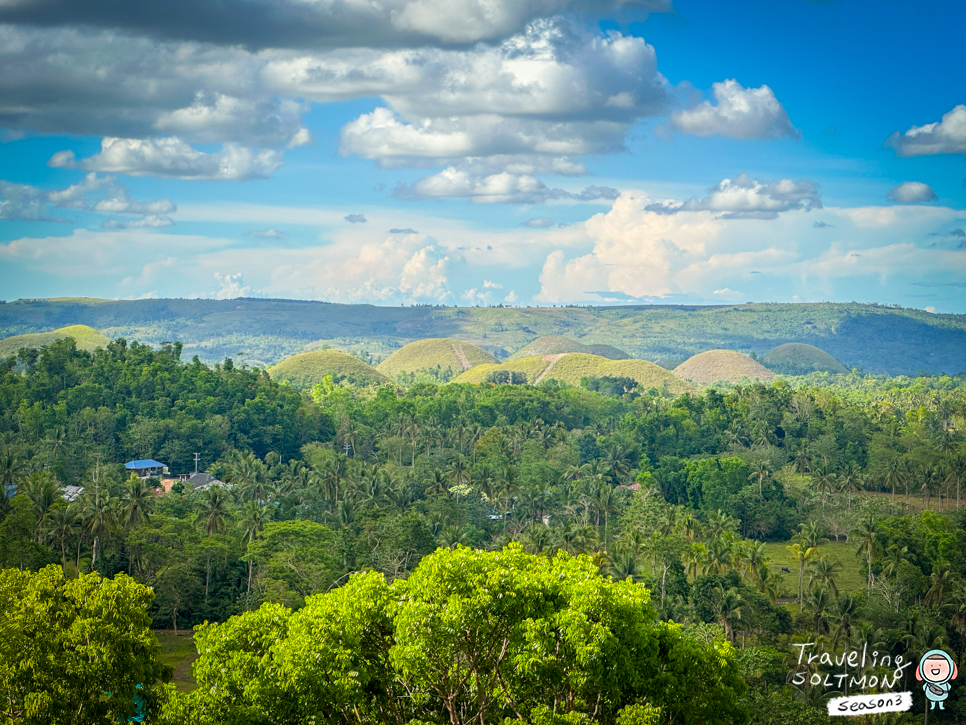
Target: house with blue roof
x: 147, y: 468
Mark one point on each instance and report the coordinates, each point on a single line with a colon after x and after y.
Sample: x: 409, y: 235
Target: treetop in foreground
x: 470, y: 636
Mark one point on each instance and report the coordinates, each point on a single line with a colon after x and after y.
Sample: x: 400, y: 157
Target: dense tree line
x: 679, y: 494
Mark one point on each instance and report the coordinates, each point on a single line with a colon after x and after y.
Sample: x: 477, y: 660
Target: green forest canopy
x: 377, y: 478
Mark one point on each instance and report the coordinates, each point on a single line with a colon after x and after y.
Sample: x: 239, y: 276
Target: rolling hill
x: 556, y: 345
x: 727, y: 366
x: 875, y: 338
x: 797, y: 358
x: 434, y: 353
x: 572, y: 367
x: 87, y: 338
x: 308, y: 368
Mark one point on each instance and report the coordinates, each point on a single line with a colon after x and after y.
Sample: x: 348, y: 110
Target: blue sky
x: 485, y: 152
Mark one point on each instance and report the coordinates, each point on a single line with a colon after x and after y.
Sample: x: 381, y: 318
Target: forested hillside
x: 874, y: 338
x: 704, y: 499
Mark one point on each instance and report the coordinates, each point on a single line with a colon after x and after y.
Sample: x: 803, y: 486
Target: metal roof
x: 146, y: 463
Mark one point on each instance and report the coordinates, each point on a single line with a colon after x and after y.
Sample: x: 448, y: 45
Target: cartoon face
x: 936, y: 669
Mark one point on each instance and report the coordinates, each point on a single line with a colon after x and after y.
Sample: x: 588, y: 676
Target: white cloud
x: 511, y: 298
x: 266, y: 234
x: 153, y: 221
x: 538, y: 223
x: 739, y: 113
x: 911, y: 192
x: 946, y: 137
x: 96, y: 194
x: 747, y: 198
x: 487, y: 284
x: 214, y: 116
x: 424, y: 275
x: 336, y: 23
x: 232, y: 286
x: 501, y: 188
x: 636, y: 253
x: 173, y: 157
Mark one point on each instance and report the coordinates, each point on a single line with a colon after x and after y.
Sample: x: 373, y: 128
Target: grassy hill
x: 557, y: 344
x: 797, y: 358
x: 874, y: 338
x: 716, y: 366
x: 435, y: 353
x: 308, y: 369
x: 87, y: 338
x: 572, y: 367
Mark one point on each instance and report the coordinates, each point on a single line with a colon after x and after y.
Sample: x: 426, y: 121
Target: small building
x: 203, y: 481
x: 71, y: 493
x: 147, y: 468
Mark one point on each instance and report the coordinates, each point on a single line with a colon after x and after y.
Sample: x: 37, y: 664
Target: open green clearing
x: 178, y: 651
x: 849, y: 579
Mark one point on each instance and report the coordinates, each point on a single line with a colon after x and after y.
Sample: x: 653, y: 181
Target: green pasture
x: 178, y: 650
x: 849, y: 579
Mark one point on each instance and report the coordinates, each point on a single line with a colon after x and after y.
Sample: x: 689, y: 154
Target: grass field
x: 570, y: 368
x: 87, y: 338
x: 556, y: 344
x: 432, y: 353
x: 797, y: 358
x: 178, y: 650
x: 849, y: 579
x: 308, y: 369
x: 722, y: 366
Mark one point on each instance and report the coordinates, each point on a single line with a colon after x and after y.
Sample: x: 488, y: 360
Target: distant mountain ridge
x: 876, y: 338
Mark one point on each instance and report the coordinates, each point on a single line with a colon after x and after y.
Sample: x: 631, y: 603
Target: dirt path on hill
x: 553, y: 361
x: 461, y: 356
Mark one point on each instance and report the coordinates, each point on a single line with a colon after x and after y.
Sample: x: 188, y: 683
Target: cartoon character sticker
x: 936, y: 669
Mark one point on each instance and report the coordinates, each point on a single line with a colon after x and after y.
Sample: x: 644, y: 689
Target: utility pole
x: 97, y: 478
x: 347, y: 447
x: 196, y: 461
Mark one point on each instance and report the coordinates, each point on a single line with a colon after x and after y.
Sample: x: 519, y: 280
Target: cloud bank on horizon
x: 548, y: 152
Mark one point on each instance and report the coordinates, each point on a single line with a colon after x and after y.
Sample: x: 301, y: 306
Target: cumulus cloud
x: 911, y: 192
x: 487, y: 284
x: 266, y: 234
x: 151, y: 221
x: 424, y: 275
x: 290, y: 23
x: 101, y: 195
x: 538, y: 223
x: 356, y: 218
x: 502, y: 188
x: 739, y: 113
x: 172, y: 157
x: 232, y: 286
x: 948, y: 136
x: 747, y: 198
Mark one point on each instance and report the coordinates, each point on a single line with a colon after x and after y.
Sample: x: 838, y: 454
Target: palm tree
x: 894, y: 475
x: 957, y: 473
x: 136, y: 503
x: 626, y: 565
x: 820, y: 602
x: 254, y: 516
x: 61, y: 525
x: 802, y: 554
x: 845, y: 612
x: 895, y: 555
x: 826, y: 482
x: 43, y: 489
x: 825, y: 570
x: 435, y: 483
x: 850, y: 481
x: 869, y: 537
x: 99, y: 516
x: 12, y: 467
x: 213, y: 516
x: 727, y: 607
x: 941, y: 578
x: 760, y: 473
